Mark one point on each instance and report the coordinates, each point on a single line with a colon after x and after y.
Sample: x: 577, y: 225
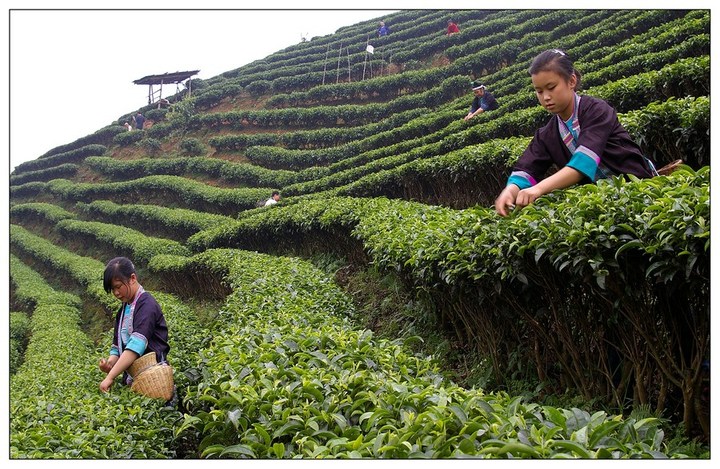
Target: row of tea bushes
x: 287, y: 376
x: 120, y: 240
x: 56, y: 409
x: 685, y: 120
x: 164, y: 222
x: 165, y: 190
x: 71, y: 156
x: 241, y: 174
x: 652, y: 235
x: 82, y: 270
x: 40, y: 213
x: 18, y: 334
x: 65, y: 170
x: 634, y: 255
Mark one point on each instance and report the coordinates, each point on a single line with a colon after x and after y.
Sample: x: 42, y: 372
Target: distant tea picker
x: 274, y: 198
x: 483, y: 101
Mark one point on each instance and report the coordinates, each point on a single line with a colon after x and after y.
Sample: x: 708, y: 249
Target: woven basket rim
x: 142, y: 363
x: 155, y: 381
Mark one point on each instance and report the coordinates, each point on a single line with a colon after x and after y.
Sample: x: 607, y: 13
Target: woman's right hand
x: 506, y: 199
x: 107, y: 364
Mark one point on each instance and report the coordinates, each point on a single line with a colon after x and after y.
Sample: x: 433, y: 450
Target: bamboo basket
x: 668, y: 169
x: 141, y: 364
x: 155, y: 381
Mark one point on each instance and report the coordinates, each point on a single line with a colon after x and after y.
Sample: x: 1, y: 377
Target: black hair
x: 120, y: 268
x: 274, y: 193
x: 555, y: 60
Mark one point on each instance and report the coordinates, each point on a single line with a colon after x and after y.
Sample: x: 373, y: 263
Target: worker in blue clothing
x: 383, y: 30
x: 483, y: 101
x: 139, y: 121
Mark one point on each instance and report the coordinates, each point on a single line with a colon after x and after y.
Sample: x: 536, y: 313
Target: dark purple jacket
x: 148, y: 321
x: 600, y: 131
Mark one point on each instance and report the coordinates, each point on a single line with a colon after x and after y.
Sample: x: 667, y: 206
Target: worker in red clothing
x: 452, y: 28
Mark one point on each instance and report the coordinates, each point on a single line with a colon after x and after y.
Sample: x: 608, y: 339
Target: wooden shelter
x: 165, y: 78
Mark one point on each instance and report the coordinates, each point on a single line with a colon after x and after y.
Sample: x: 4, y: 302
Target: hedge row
x: 637, y: 91
x: 287, y: 376
x: 72, y: 156
x: 121, y: 240
x: 66, y: 170
x: 56, y: 408
x: 103, y: 137
x: 450, y: 88
x: 19, y: 333
x: 676, y: 129
x: 601, y: 238
x: 166, y: 190
x: 236, y: 173
x: 320, y: 116
x: 82, y: 270
x: 334, y: 133
x: 172, y: 223
x: 39, y: 211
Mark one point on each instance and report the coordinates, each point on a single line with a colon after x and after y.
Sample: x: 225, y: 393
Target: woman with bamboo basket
x: 140, y: 337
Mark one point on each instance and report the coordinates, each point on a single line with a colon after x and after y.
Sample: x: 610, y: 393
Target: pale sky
x: 72, y: 72
x: 72, y: 64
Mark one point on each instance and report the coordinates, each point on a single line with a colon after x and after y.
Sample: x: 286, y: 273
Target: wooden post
x: 367, y: 43
x: 348, y: 56
x: 337, y: 77
x: 325, y: 63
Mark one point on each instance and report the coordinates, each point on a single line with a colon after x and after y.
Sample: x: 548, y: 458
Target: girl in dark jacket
x: 139, y: 324
x: 584, y: 138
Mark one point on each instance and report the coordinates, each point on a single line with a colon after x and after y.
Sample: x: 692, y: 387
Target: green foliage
x: 181, y: 112
x: 40, y: 210
x: 124, y: 241
x: 60, y: 171
x: 168, y: 190
x: 675, y: 129
x: 31, y: 289
x: 175, y: 223
x: 57, y: 411
x: 71, y: 156
x: 192, y: 146
x: 128, y: 138
x: 151, y: 145
x: 19, y: 331
x: 286, y: 376
x: 85, y: 271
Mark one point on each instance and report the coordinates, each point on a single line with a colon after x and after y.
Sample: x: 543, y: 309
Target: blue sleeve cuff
x: 521, y: 179
x: 114, y: 351
x: 585, y: 161
x: 137, y: 345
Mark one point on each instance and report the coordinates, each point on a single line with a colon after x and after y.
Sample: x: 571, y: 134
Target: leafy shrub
x: 19, y: 331
x: 156, y: 115
x: 151, y: 145
x: 259, y: 87
x: 128, y: 138
x: 192, y: 146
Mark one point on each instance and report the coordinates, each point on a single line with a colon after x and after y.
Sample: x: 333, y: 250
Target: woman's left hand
x: 105, y: 385
x: 527, y: 196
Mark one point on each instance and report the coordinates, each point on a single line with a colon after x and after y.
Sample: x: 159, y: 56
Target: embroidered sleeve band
x: 137, y: 343
x: 586, y: 161
x: 521, y: 179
